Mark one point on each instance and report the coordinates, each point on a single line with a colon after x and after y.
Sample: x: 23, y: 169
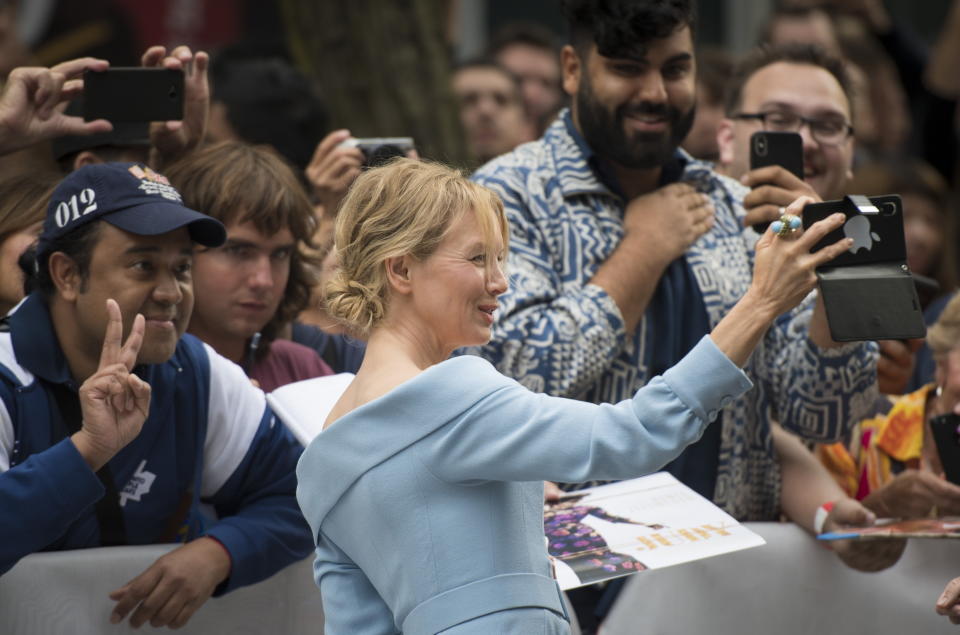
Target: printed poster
x: 651, y: 522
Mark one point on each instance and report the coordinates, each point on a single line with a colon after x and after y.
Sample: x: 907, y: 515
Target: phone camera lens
x: 760, y: 146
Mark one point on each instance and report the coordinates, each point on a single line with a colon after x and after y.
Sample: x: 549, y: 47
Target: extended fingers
x: 328, y: 143
x: 152, y: 56
x: 110, y: 353
x: 131, y: 348
x: 74, y: 68
x: 182, y: 53
x: 815, y: 233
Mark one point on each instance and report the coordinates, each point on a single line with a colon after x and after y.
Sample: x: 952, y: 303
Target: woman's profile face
x: 455, y: 290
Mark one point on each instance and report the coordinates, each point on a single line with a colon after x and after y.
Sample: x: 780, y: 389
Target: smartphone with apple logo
x: 877, y: 235
x: 868, y: 290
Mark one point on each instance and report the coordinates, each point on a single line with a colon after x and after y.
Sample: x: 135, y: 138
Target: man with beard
x: 625, y: 251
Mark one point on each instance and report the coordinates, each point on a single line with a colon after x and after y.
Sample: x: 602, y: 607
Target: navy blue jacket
x: 210, y: 441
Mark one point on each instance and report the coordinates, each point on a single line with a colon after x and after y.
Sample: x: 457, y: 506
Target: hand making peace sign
x: 114, y: 402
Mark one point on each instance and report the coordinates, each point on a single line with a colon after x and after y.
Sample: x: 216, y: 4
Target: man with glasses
x: 795, y: 88
x: 798, y: 88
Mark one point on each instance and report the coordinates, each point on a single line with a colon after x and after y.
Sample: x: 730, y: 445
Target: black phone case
x: 133, y: 94
x: 868, y: 291
x: 947, y: 439
x: 776, y: 148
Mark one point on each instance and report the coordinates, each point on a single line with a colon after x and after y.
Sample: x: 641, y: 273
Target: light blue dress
x: 427, y: 503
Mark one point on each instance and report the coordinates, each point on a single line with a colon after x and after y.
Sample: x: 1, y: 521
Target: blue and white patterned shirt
x: 559, y: 334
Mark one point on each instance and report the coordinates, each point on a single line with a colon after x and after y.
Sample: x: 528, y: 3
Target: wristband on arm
x: 820, y: 517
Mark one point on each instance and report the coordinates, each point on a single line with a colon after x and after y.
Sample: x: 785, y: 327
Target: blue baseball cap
x: 129, y: 196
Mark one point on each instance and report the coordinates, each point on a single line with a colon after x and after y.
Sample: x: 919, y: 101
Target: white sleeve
x: 6, y: 437
x: 236, y: 408
x: 8, y: 359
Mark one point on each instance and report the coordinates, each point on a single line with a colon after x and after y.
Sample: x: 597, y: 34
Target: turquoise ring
x: 787, y: 225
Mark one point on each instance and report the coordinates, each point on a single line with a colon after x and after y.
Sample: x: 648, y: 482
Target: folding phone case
x: 868, y: 291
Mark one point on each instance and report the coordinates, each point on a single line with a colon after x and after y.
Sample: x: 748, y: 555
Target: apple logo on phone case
x: 858, y: 228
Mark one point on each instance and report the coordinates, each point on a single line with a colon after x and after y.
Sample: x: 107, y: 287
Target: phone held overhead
x: 133, y: 94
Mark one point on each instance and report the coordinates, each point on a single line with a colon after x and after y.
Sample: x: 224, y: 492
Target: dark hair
x: 793, y: 53
x: 624, y: 28
x: 77, y: 244
x: 235, y: 182
x: 489, y: 63
x: 526, y: 33
x: 107, y: 154
x: 268, y: 101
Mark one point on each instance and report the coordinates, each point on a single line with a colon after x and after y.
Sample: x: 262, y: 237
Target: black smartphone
x: 776, y: 148
x: 947, y: 438
x: 133, y: 94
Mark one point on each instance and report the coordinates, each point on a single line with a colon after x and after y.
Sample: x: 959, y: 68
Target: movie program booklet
x: 946, y: 527
x: 592, y: 534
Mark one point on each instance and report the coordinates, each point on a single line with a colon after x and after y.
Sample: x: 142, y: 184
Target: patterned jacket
x: 558, y: 334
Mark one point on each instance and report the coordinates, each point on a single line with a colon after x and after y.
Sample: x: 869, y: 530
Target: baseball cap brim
x: 160, y: 218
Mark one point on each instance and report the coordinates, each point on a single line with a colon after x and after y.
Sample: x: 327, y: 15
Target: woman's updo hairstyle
x: 402, y: 207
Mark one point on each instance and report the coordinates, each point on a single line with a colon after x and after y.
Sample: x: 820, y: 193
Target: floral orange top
x: 881, y: 447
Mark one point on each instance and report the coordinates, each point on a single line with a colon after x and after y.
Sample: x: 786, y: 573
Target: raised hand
x: 783, y: 275
x: 333, y: 169
x: 773, y: 188
x: 33, y: 101
x: 113, y: 401
x: 784, y: 270
x: 172, y: 139
x: 669, y: 219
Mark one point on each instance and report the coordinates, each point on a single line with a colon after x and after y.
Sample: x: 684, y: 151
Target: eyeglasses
x: 830, y: 131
